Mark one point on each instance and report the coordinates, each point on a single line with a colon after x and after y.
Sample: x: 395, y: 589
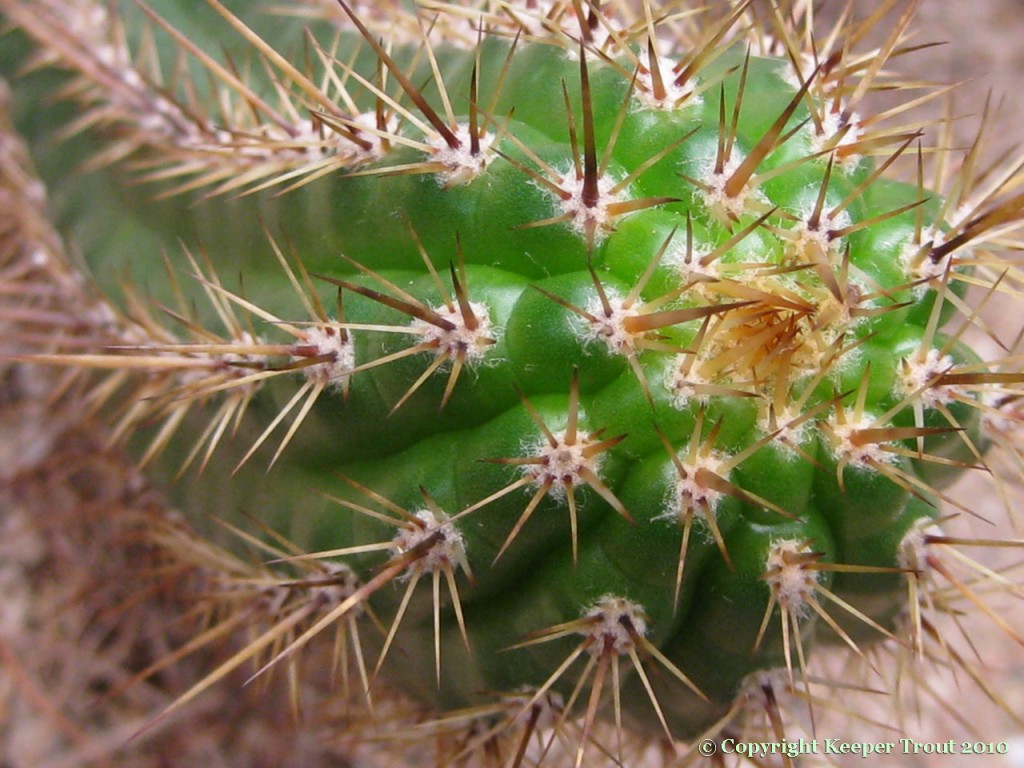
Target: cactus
x: 584, y: 371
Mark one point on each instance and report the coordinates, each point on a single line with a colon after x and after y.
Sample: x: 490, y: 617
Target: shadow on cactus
x: 603, y: 363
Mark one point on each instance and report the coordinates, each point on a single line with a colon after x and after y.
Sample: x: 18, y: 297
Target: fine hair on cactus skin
x: 534, y: 383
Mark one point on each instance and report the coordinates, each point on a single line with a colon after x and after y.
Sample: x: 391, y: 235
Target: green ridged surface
x: 535, y: 584
x: 709, y: 629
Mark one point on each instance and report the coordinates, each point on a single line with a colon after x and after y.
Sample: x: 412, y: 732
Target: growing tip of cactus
x: 547, y: 383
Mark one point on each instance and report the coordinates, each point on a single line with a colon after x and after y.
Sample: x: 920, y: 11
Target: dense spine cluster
x: 598, y: 357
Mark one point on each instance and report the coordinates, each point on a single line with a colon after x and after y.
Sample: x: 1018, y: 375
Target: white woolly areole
x: 787, y: 437
x: 610, y: 327
x: 831, y: 128
x: 787, y: 72
x: 920, y: 266
x: 688, y: 494
x: 610, y: 620
x: 561, y: 466
x: 675, y: 95
x: 586, y: 218
x: 537, y: 21
x: 917, y: 373
x: 860, y: 456
x: 916, y: 553
x: 715, y: 197
x: 792, y: 583
x: 445, y: 551
x: 804, y: 238
x: 690, y: 269
x: 468, y: 344
x: 328, y: 341
x: 461, y: 166
x: 556, y: 16
x: 685, y: 387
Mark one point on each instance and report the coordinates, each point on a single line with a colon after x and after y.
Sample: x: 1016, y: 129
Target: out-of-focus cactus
x: 608, y: 361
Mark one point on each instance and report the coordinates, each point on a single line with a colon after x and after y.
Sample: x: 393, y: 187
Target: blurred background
x: 981, y: 47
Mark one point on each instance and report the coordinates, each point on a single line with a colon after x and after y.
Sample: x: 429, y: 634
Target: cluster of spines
x: 251, y: 143
x: 788, y: 315
x: 223, y: 361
